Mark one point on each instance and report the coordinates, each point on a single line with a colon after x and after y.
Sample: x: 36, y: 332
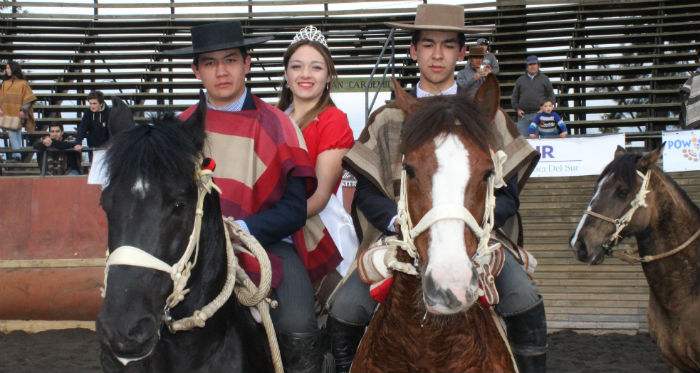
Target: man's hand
x: 562, y: 135
x: 21, y: 115
x: 78, y: 147
x: 532, y: 136
x: 47, y: 141
x: 521, y: 113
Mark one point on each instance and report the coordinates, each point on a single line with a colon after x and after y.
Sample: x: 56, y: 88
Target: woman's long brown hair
x: 286, y: 97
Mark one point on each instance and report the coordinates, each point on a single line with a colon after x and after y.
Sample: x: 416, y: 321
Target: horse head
x: 618, y: 207
x: 448, y: 144
x: 150, y: 203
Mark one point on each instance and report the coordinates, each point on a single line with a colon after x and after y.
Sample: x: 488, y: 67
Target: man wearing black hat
x: 266, y: 176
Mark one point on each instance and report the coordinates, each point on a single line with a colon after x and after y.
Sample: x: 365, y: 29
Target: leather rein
x: 622, y: 222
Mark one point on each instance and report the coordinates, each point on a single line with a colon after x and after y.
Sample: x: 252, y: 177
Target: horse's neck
x: 673, y: 222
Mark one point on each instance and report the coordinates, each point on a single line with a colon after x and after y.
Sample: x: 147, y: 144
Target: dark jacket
x: 93, y: 126
x: 56, y: 165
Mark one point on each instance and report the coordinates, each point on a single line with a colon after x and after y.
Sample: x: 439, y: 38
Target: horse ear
x: 404, y: 101
x: 619, y: 151
x: 194, y: 125
x: 120, y: 117
x: 650, y: 158
x: 488, y: 97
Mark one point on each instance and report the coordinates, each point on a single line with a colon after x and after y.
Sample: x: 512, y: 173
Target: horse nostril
x: 142, y: 331
x: 435, y: 296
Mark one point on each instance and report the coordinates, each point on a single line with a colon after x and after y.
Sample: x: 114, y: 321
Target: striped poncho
x: 256, y: 149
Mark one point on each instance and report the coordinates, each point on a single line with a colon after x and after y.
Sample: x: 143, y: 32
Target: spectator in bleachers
x: 93, y: 126
x: 62, y: 162
x: 690, y: 101
x: 488, y: 56
x: 473, y: 75
x: 529, y: 91
x: 547, y: 122
x: 16, y: 100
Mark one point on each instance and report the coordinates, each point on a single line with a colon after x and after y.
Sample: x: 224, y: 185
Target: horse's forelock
x: 160, y: 152
x: 623, y: 168
x: 444, y: 115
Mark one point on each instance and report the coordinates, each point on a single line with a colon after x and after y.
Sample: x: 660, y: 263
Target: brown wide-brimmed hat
x: 217, y: 36
x: 439, y: 17
x: 476, y: 51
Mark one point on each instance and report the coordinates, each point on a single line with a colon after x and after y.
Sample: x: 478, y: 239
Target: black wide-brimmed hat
x: 217, y: 36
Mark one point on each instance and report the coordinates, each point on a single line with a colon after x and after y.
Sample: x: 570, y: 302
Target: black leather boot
x: 344, y: 341
x: 304, y: 352
x: 527, y: 334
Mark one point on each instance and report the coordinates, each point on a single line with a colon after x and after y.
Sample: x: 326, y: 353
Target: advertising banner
x: 682, y: 150
x: 575, y: 156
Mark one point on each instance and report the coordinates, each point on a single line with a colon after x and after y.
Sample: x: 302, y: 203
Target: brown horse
x: 635, y: 198
x: 429, y: 322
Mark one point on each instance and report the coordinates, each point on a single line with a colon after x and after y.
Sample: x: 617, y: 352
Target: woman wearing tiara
x: 305, y: 97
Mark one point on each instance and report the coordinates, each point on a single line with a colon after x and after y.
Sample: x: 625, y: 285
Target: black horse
x: 150, y: 204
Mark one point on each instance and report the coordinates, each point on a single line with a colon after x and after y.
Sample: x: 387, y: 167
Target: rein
x: 246, y: 291
x: 622, y: 222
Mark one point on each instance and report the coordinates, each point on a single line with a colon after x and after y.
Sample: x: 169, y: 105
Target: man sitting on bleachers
x: 66, y: 161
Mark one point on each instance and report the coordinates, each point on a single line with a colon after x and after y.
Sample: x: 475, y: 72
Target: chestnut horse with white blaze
x: 430, y: 320
x: 635, y: 198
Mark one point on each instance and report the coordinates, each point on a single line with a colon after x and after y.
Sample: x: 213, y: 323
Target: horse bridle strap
x: 622, y: 222
x: 442, y: 212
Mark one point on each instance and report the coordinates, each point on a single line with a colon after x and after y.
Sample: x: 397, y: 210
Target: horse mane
x: 624, y: 169
x: 160, y: 150
x: 453, y: 114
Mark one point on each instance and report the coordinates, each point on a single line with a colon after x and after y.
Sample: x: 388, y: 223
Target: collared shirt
x: 235, y: 106
x: 532, y: 76
x: 449, y: 91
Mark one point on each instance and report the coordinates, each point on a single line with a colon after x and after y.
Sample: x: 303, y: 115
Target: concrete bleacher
x: 597, y: 53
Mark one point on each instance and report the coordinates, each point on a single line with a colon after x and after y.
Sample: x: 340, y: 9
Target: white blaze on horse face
x: 449, y: 264
x: 574, y: 238
x: 140, y: 187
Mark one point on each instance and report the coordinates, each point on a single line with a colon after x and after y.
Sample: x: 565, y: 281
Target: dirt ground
x: 76, y: 350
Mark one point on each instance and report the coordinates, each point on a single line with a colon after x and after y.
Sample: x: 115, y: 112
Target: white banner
x: 682, y: 150
x: 575, y: 156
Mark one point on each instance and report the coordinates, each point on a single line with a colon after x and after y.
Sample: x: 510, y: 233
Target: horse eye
x: 179, y: 205
x: 487, y: 175
x: 409, y: 171
x: 622, y: 193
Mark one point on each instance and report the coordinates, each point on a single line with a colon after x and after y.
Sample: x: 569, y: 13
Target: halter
x: 247, y: 293
x: 180, y: 271
x: 442, y: 212
x: 622, y: 222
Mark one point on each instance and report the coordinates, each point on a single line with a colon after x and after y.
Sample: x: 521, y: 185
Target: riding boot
x: 344, y: 341
x: 304, y: 352
x: 527, y: 334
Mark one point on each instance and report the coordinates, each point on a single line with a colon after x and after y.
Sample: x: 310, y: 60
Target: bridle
x: 237, y: 281
x: 622, y: 222
x: 180, y: 271
x: 409, y: 232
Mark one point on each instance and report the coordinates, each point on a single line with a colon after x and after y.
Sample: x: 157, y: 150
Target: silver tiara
x: 310, y: 33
